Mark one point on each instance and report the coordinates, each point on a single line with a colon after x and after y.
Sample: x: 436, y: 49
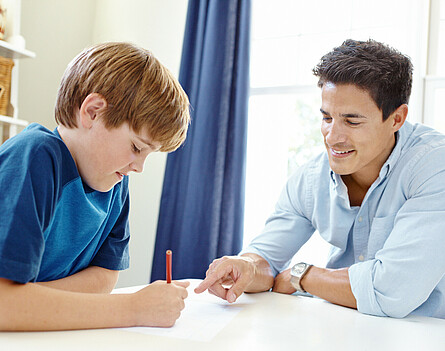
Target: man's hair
x: 382, y: 71
x: 137, y: 87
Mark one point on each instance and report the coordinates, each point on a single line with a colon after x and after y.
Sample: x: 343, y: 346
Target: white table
x: 267, y: 321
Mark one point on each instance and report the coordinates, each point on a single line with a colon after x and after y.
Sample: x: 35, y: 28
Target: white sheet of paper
x: 203, y: 317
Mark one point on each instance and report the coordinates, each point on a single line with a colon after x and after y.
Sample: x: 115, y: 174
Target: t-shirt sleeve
x: 27, y: 188
x: 113, y: 253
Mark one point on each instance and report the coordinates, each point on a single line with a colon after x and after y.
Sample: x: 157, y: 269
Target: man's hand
x: 230, y: 276
x: 282, y: 283
x: 159, y: 304
x: 236, y: 272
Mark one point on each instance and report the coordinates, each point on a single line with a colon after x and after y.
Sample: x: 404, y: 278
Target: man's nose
x: 335, y: 133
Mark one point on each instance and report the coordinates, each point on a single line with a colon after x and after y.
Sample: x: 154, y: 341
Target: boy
x: 64, y: 196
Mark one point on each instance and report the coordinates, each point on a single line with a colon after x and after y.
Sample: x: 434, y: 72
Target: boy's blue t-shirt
x: 53, y: 225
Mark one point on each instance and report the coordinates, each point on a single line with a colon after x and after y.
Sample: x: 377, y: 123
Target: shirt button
x: 360, y: 219
x: 361, y: 258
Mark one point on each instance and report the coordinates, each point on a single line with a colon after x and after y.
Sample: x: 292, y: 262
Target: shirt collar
x: 401, y: 138
x: 334, y: 177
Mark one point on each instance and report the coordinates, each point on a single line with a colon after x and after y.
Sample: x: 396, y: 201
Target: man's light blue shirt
x: 393, y: 244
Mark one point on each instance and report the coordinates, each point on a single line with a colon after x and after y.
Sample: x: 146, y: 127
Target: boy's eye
x: 135, y: 149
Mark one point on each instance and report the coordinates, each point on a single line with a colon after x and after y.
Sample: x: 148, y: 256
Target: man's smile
x: 340, y: 153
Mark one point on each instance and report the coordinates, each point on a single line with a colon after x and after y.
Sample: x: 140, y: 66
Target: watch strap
x: 296, y: 278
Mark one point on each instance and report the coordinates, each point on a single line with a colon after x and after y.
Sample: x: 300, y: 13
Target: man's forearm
x: 332, y: 285
x: 263, y: 277
x: 90, y: 280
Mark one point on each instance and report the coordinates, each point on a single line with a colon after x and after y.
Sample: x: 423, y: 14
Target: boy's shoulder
x: 33, y: 140
x: 33, y: 135
x: 38, y: 147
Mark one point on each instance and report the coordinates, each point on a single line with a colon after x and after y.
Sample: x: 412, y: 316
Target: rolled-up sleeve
x: 406, y: 270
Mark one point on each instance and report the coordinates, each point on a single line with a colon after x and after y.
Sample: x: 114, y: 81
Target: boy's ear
x: 91, y: 107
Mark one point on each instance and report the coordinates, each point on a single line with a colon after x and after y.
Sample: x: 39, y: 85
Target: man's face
x: 109, y: 154
x: 357, y: 140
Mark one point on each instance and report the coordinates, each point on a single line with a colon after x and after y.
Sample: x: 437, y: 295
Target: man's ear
x: 399, y: 116
x: 91, y: 107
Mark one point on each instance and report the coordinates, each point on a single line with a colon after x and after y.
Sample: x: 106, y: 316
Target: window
x: 288, y: 39
x: 435, y: 79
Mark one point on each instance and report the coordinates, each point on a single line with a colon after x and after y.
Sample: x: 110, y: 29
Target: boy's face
x: 109, y: 154
x: 357, y: 140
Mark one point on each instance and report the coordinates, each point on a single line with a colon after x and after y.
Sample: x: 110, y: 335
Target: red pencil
x: 168, y: 261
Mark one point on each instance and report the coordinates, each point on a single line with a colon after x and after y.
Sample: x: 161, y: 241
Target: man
x: 377, y: 196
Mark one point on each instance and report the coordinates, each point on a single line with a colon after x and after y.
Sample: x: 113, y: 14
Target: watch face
x: 298, y: 268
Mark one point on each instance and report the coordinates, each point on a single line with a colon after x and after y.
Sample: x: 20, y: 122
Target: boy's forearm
x: 90, y: 280
x: 34, y: 307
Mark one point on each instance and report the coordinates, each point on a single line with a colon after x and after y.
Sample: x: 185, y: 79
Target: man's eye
x: 353, y: 123
x: 327, y: 119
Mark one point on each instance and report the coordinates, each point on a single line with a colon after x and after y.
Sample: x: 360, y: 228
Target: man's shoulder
x: 421, y: 158
x: 423, y: 144
x: 421, y: 136
x: 314, y: 175
x: 316, y: 166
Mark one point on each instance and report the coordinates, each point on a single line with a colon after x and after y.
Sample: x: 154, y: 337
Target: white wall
x: 159, y: 27
x: 57, y: 30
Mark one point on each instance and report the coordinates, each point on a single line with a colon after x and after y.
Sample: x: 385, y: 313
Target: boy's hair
x: 137, y: 87
x: 382, y: 71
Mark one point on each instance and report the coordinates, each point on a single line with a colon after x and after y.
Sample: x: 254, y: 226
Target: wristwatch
x: 297, y: 272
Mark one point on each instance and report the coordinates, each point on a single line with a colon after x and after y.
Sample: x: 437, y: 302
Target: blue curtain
x: 202, y: 204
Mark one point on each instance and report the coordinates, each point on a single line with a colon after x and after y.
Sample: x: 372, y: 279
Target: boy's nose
x: 138, y: 165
